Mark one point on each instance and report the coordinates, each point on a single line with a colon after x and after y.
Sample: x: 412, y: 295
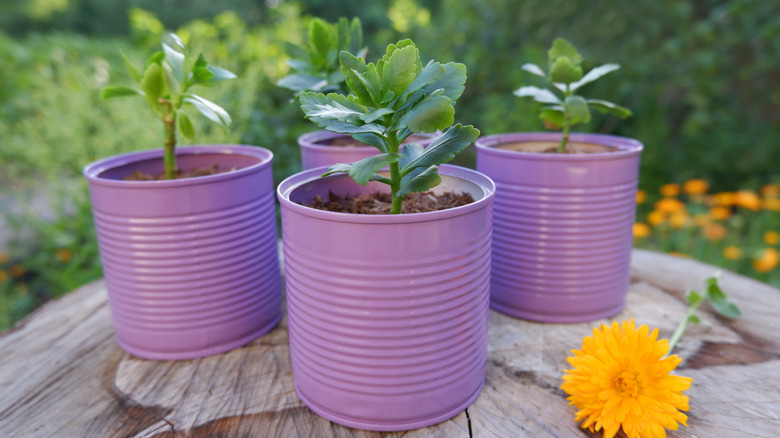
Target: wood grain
x: 62, y: 374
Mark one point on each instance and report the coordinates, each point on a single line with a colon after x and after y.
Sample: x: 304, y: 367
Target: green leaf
x: 693, y: 297
x: 175, y: 59
x: 337, y: 168
x: 372, y: 140
x: 200, y: 75
x: 610, y: 108
x: 411, y: 152
x: 153, y: 83
x: 564, y: 71
x: 331, y: 107
x: 552, y: 118
x: 209, y: 109
x: 400, y: 69
x: 185, y: 126
x: 295, y: 51
x: 220, y: 74
x: 320, y: 36
x: 563, y: 48
x: 171, y: 81
x: 302, y: 82
x: 444, y: 148
x: 452, y: 82
x: 156, y: 58
x: 376, y: 114
x: 356, y: 42
x: 694, y: 319
x: 720, y: 302
x: 428, y: 74
x: 430, y: 115
x: 534, y: 69
x: 419, y: 180
x: 200, y: 62
x: 175, y: 40
x: 594, y: 74
x: 539, y: 94
x: 577, y: 109
x: 131, y: 70
x: 362, y: 171
x: 113, y: 91
x: 350, y: 62
x: 347, y: 128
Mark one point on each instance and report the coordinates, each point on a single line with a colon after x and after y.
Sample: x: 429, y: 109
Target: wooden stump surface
x: 62, y: 374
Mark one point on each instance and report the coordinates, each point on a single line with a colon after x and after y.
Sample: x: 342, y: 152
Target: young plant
x: 717, y: 298
x: 315, y: 64
x: 563, y: 108
x: 391, y: 100
x: 165, y: 83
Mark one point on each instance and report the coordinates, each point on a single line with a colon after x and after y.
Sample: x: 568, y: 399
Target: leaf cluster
x: 165, y: 83
x: 315, y: 64
x: 562, y: 104
x: 391, y: 100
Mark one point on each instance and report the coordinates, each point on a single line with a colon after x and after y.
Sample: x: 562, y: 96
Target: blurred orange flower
x: 669, y: 205
x: 696, y: 187
x: 656, y: 218
x: 720, y: 213
x: 731, y: 252
x: 767, y: 261
x: 772, y: 204
x: 64, y: 255
x: 725, y: 199
x: 641, y: 196
x: 679, y: 219
x: 3, y: 276
x: 770, y: 190
x: 714, y: 232
x: 669, y: 190
x: 17, y: 270
x: 3, y: 257
x: 701, y: 220
x: 771, y: 238
x: 747, y: 199
x: 641, y: 230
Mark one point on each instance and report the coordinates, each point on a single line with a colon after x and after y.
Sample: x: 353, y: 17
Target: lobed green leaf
x: 577, y: 109
x: 400, y: 69
x: 444, y: 148
x: 419, y: 180
x: 562, y: 48
x: 362, y: 171
x: 563, y: 70
x: 430, y: 115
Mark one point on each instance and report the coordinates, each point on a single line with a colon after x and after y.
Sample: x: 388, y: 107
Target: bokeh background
x: 702, y: 78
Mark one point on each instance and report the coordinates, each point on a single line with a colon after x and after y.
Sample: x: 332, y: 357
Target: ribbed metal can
x: 562, y: 232
x: 388, y: 314
x: 317, y: 150
x: 191, y: 265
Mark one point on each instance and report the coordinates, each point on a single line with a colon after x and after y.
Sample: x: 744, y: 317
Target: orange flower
x: 772, y: 204
x: 3, y: 257
x: 64, y: 255
x: 656, y: 218
x: 747, y: 199
x: 720, y: 213
x: 767, y: 261
x: 679, y: 219
x: 17, y: 270
x: 770, y: 190
x: 3, y: 276
x: 696, y: 187
x: 669, y: 190
x: 725, y: 199
x: 669, y: 205
x: 641, y: 230
x: 714, y: 232
x: 731, y: 252
x: 771, y: 238
x: 641, y: 196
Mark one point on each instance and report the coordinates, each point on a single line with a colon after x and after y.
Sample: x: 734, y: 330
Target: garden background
x: 702, y: 78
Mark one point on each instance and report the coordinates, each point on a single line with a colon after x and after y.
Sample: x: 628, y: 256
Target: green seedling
x: 165, y: 83
x: 562, y: 106
x: 389, y: 101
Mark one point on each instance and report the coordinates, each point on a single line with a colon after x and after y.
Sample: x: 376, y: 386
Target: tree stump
x: 62, y: 374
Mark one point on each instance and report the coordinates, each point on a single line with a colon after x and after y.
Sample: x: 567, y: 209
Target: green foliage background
x: 700, y: 77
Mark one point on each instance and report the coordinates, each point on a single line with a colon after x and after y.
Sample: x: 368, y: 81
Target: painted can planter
x: 191, y: 265
x: 388, y: 314
x: 562, y: 233
x: 317, y: 148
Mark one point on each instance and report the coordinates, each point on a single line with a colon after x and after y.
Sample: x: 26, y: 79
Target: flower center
x: 627, y: 382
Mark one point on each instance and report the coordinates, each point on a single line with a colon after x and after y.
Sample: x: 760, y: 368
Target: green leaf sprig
x: 563, y: 108
x: 717, y: 298
x: 315, y: 64
x: 391, y: 100
x: 165, y: 83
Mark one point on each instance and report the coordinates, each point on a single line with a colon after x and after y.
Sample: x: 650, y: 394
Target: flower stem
x: 678, y: 332
x: 169, y: 155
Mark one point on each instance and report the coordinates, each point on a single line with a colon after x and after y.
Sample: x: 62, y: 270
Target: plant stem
x: 566, y: 122
x: 169, y: 154
x: 395, y: 175
x: 678, y: 332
